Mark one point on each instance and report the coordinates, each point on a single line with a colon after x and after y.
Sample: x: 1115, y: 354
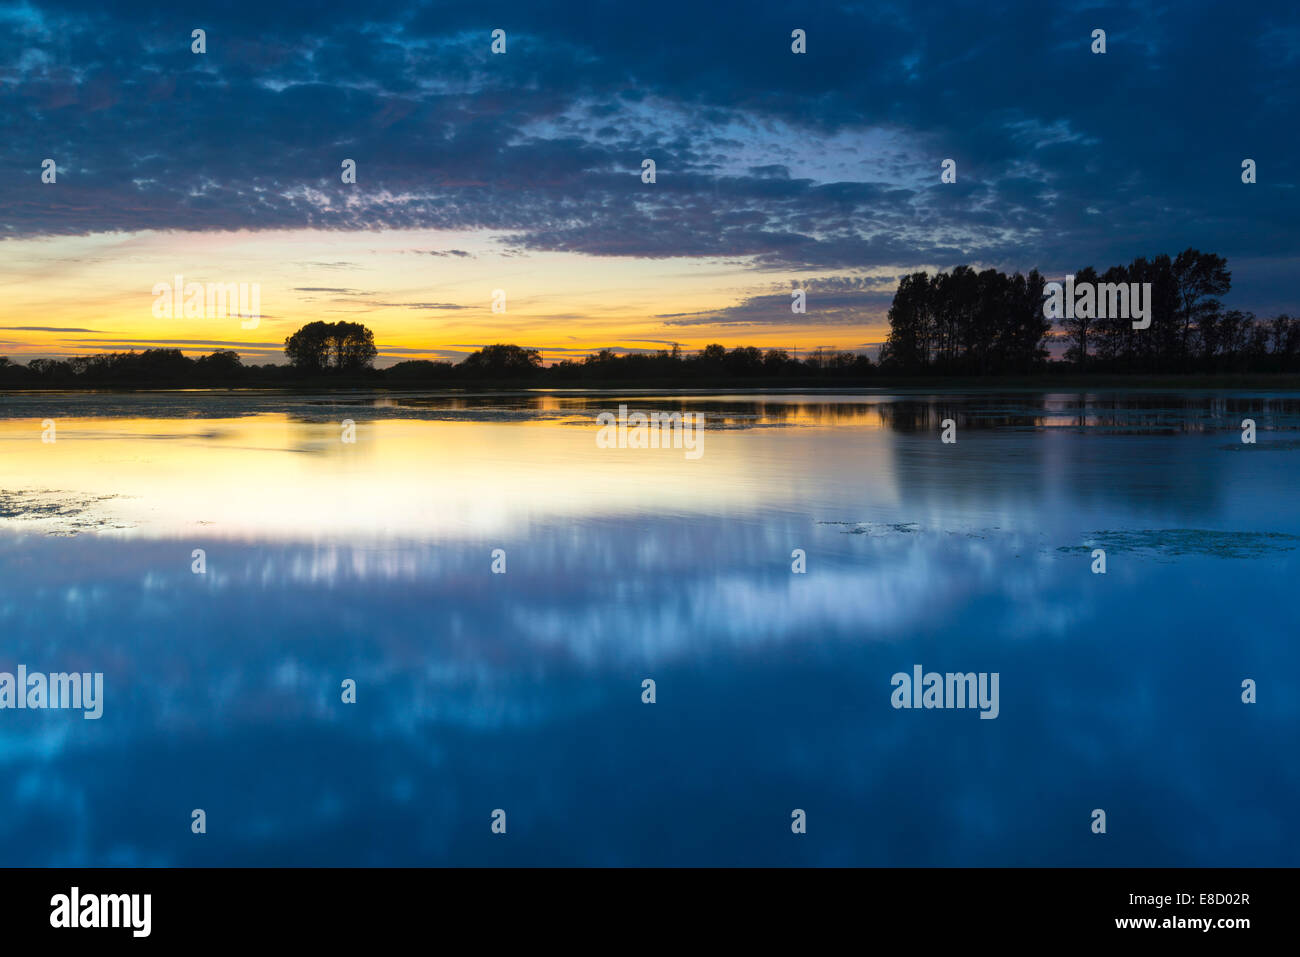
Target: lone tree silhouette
x: 344, y: 346
x: 501, y: 359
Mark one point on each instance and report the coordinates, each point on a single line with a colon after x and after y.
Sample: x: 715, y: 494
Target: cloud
x: 49, y: 329
x: 363, y: 298
x: 824, y: 161
x: 829, y: 301
x: 421, y: 305
x: 164, y: 343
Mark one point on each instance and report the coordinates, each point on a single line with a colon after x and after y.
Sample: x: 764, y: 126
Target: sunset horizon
x: 615, y: 200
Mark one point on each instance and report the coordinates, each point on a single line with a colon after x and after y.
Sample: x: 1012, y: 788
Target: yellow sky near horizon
x: 80, y: 295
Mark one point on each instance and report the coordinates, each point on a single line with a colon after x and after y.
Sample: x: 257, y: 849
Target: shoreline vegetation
x: 951, y: 330
x: 1063, y: 380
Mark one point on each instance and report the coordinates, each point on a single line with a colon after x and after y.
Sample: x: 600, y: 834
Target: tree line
x: 967, y: 323
x: 318, y: 361
x: 958, y: 323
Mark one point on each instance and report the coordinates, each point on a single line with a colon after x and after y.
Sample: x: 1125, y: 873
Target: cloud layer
x: 824, y: 161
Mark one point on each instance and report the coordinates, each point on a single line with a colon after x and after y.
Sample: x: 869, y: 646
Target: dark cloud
x: 828, y: 160
x: 828, y: 301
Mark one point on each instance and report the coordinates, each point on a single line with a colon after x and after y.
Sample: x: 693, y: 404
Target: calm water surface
x: 475, y: 691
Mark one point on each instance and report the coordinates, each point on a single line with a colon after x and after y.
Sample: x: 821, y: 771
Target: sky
x: 522, y: 171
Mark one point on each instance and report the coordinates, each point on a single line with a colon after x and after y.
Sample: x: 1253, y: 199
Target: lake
x: 497, y: 588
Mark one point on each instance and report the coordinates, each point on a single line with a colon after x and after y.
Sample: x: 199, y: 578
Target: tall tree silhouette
x: 1200, y: 278
x: 1079, y: 327
x: 967, y: 322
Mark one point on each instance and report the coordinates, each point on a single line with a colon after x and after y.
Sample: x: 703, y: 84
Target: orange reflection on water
x: 276, y: 476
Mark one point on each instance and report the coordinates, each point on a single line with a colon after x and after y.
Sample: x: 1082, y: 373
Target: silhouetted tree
x: 1079, y: 327
x: 416, y: 371
x: 220, y: 367
x: 1025, y: 329
x: 966, y: 322
x: 713, y: 354
x: 744, y: 360
x: 345, y: 346
x: 503, y: 360
x: 309, y: 348
x: 963, y: 322
x: 1112, y: 335
x: 352, y: 346
x: 910, y: 322
x: 1200, y: 279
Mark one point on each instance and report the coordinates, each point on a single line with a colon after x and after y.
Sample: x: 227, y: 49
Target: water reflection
x: 523, y: 691
x: 1155, y: 411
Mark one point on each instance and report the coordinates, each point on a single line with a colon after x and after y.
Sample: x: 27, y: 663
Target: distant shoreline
x: 1282, y: 382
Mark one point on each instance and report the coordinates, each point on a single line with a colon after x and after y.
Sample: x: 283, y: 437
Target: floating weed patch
x: 876, y: 529
x: 66, y: 512
x: 1175, y: 542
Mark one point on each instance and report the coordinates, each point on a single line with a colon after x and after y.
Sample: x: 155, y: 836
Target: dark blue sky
x: 827, y: 161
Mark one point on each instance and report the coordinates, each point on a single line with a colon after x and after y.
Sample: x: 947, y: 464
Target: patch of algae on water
x: 60, y: 513
x: 1172, y: 542
x: 877, y: 529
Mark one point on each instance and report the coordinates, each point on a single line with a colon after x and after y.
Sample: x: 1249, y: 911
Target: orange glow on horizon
x: 425, y: 294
